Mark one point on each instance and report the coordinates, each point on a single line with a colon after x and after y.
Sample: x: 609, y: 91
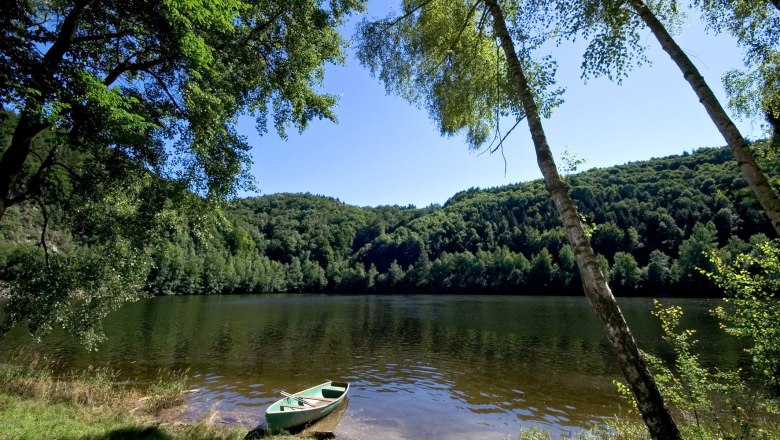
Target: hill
x: 650, y: 222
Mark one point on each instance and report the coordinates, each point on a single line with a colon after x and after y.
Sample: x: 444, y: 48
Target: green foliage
x: 754, y: 91
x: 694, y: 253
x: 441, y: 56
x: 626, y: 273
x: 437, y: 56
x: 658, y: 270
x: 614, y: 33
x: 570, y: 162
x: 122, y: 130
x: 499, y: 240
x: 713, y: 403
x: 144, y: 75
x: 72, y: 292
x: 751, y: 283
x: 651, y: 221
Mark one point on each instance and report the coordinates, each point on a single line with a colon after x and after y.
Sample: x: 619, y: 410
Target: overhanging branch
x: 165, y: 89
x: 407, y: 15
x: 126, y: 66
x: 44, y: 229
x: 100, y: 37
x: 36, y: 182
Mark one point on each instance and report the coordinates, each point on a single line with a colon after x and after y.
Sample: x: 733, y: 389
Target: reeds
x: 34, y: 376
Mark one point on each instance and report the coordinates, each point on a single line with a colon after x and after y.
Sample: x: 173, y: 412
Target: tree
x: 751, y: 284
x: 758, y: 182
x: 626, y: 274
x: 613, y: 30
x: 149, y: 77
x: 694, y: 256
x: 658, y: 270
x: 756, y: 26
x: 395, y: 274
x: 541, y: 270
x: 121, y: 111
x: 441, y: 54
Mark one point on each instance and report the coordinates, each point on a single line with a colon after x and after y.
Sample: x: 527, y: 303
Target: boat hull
x: 305, y: 406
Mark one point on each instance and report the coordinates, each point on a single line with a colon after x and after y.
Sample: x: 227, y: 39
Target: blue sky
x: 385, y: 151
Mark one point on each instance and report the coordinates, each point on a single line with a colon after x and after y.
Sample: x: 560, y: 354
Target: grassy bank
x: 37, y: 403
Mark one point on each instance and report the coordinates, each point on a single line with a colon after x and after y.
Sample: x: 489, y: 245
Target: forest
x: 650, y: 223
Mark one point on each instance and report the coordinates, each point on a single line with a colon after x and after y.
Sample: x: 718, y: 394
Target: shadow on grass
x: 150, y: 433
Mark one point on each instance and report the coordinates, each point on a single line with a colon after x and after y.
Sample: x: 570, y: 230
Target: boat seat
x: 333, y: 391
x: 317, y: 398
x: 283, y: 406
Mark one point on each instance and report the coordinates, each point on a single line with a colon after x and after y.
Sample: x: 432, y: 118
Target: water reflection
x: 420, y: 366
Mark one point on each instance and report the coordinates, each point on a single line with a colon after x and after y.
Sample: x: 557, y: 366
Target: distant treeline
x: 651, y: 224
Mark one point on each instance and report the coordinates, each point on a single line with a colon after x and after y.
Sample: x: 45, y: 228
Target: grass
x: 30, y: 418
x: 632, y: 428
x: 37, y: 403
x: 615, y: 429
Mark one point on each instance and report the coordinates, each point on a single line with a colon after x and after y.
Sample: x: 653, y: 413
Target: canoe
x: 305, y: 406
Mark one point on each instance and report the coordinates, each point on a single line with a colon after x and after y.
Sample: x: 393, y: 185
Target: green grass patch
x: 36, y: 403
x: 28, y: 418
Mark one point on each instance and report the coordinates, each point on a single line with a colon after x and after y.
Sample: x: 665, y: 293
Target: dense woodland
x: 650, y: 223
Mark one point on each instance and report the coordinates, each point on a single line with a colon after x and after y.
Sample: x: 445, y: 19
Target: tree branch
x: 503, y: 138
x: 44, y: 228
x: 69, y: 170
x: 481, y: 26
x: 66, y: 35
x: 98, y: 37
x: 125, y: 66
x: 36, y: 182
x: 168, y: 92
x: 255, y: 31
x: 408, y: 14
x: 456, y: 38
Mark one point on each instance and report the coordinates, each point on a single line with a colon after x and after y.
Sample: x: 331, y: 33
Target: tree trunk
x: 29, y: 123
x: 758, y: 182
x: 649, y: 401
x: 774, y: 124
x: 12, y: 162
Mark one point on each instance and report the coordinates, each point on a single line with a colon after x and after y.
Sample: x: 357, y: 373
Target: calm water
x: 420, y: 366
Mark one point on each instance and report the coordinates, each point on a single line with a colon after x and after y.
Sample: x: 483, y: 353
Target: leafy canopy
x: 164, y: 82
x: 756, y: 26
x: 126, y: 116
x: 752, y: 283
x: 613, y: 32
x: 443, y: 56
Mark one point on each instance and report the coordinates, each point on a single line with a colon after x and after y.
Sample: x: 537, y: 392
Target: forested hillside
x: 650, y: 223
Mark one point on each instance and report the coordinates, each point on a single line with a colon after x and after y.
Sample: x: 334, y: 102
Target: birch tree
x: 611, y: 28
x: 469, y: 66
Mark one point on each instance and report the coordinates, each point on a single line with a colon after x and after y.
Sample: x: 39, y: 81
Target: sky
x: 384, y: 151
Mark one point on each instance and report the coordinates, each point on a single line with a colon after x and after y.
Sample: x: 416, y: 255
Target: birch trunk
x: 649, y: 400
x: 757, y: 181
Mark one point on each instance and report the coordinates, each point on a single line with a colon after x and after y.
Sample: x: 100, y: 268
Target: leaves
x: 442, y: 56
x: 714, y: 403
x: 751, y: 283
x: 127, y: 128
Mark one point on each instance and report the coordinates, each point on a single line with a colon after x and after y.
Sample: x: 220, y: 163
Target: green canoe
x: 305, y: 406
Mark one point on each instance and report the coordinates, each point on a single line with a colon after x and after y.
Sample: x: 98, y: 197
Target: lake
x: 421, y: 366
